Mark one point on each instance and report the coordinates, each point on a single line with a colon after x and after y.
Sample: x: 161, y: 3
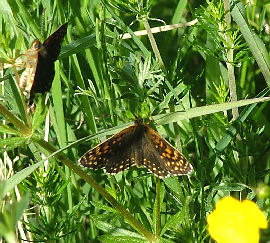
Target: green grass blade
x: 205, y: 110
x: 255, y: 44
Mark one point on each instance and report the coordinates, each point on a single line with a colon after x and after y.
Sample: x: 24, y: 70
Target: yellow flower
x: 235, y: 221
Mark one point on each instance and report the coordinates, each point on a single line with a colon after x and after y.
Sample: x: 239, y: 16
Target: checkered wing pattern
x: 161, y: 158
x: 115, y: 154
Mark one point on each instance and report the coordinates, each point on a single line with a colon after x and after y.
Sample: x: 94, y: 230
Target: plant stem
x: 21, y: 127
x: 154, y: 45
x: 123, y: 211
x: 159, y: 29
x: 230, y: 67
x: 157, y: 227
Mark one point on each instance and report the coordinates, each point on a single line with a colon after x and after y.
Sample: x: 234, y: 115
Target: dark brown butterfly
x: 41, y: 60
x: 137, y: 145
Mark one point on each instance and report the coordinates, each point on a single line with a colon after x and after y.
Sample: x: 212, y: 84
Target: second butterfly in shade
x: 39, y: 73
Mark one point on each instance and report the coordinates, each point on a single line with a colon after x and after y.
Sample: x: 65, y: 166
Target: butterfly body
x: 138, y: 145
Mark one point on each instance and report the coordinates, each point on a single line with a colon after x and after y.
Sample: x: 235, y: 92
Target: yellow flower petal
x: 235, y: 221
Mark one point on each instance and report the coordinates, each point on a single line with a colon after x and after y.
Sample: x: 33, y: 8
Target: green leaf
x: 173, y: 184
x: 21, y: 206
x: 158, y: 207
x: 122, y: 239
x: 11, y: 143
x: 116, y: 231
x: 227, y: 138
x: 7, y: 129
x: 2, y: 188
x: 103, y: 207
x: 173, y: 222
x: 204, y: 110
x: 255, y: 44
x: 77, y: 46
x: 9, y: 217
x: 20, y: 176
x: 5, y: 8
x: 40, y: 113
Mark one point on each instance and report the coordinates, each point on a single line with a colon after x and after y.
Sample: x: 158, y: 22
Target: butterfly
x: 138, y: 145
x: 40, y: 63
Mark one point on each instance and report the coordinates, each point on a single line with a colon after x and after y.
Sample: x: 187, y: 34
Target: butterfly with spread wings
x: 138, y: 145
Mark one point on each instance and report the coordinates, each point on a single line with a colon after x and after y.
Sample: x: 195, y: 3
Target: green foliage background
x: 102, y: 82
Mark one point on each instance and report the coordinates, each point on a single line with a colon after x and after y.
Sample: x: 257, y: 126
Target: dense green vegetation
x: 203, y: 86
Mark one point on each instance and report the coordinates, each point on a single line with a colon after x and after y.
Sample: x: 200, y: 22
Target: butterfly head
x: 138, y: 120
x: 36, y: 44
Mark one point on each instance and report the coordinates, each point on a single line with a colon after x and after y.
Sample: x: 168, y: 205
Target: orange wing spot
x: 161, y: 144
x: 114, y: 141
x: 121, y: 166
x: 168, y: 150
x: 161, y: 157
x: 181, y: 162
x: 168, y: 163
x: 106, y: 147
x: 107, y: 151
x: 172, y: 163
x: 157, y: 140
x: 176, y: 168
x: 95, y: 163
x: 163, y: 154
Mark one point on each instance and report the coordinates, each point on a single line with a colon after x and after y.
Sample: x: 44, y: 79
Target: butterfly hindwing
x: 43, y: 77
x: 168, y: 159
x: 27, y: 77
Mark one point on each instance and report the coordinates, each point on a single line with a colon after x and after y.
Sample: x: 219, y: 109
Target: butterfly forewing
x: 137, y: 145
x: 53, y: 43
x: 115, y: 154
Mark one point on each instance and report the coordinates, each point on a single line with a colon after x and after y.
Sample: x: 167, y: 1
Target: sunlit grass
x: 179, y: 82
